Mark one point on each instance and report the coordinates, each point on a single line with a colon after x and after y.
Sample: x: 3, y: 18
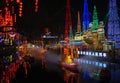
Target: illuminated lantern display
x: 71, y: 33
x: 113, y: 31
x: 20, y: 9
x: 86, y: 18
x: 8, y: 20
x: 14, y: 17
x: 18, y: 1
x: 7, y: 1
x: 79, y: 23
x: 68, y: 21
x: 95, y: 19
x: 36, y: 5
x: 1, y: 19
x: 12, y: 35
x: 12, y: 9
x: 66, y: 51
x: 78, y: 33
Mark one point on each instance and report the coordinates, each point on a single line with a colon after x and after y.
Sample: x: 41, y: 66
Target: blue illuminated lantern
x: 113, y: 30
x: 86, y: 18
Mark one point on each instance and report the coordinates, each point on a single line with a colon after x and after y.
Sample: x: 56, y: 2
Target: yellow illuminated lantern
x: 69, y: 59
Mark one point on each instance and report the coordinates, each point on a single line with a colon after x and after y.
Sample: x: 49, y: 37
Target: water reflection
x: 71, y: 77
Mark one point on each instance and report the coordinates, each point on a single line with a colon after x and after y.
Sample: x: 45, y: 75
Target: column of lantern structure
x: 95, y: 19
x: 36, y: 5
x: 113, y: 32
x: 86, y: 18
x: 68, y: 21
x: 20, y: 9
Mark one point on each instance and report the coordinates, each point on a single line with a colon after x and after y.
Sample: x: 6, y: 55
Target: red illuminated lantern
x: 12, y: 9
x: 18, y: 1
x: 14, y: 17
x: 36, y: 5
x: 20, y: 9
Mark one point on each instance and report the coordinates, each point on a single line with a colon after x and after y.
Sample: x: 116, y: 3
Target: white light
x: 100, y: 54
x: 89, y: 53
x: 104, y: 65
x: 37, y: 46
x: 100, y: 64
x: 81, y: 52
x: 86, y: 53
x: 44, y: 36
x: 33, y: 45
x: 96, y: 63
x: 78, y: 52
x: 104, y: 54
x: 96, y: 53
x: 93, y: 54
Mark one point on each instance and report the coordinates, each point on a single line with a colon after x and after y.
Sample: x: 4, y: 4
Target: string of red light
x: 21, y: 7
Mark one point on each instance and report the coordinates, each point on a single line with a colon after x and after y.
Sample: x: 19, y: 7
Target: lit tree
x: 113, y: 24
x: 86, y: 18
x: 95, y: 19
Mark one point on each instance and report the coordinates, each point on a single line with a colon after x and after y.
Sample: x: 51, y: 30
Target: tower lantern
x: 68, y: 20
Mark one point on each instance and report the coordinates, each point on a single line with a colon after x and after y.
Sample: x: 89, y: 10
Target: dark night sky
x: 51, y: 14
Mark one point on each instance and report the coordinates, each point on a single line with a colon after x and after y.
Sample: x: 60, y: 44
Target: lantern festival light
x: 36, y: 5
x: 20, y: 9
x: 18, y: 1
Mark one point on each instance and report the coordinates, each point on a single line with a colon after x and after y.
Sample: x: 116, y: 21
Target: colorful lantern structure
x: 20, y: 9
x: 86, y: 18
x: 36, y: 5
x: 79, y: 23
x: 95, y: 19
x: 68, y: 20
x: 113, y: 31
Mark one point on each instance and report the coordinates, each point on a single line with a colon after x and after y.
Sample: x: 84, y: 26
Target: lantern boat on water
x: 67, y: 60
